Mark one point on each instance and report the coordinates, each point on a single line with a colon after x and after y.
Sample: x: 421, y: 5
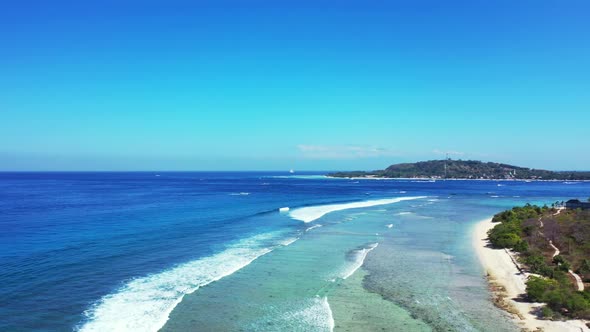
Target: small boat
x: 291, y: 171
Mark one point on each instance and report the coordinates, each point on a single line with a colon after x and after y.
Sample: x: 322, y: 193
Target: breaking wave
x: 144, y: 304
x: 357, y: 258
x: 311, y: 213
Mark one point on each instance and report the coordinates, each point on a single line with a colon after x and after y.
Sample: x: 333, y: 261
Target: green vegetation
x: 520, y: 229
x: 464, y: 169
x: 508, y: 234
x: 561, y: 299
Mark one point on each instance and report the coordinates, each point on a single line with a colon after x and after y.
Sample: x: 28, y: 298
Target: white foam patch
x: 389, y: 226
x: 403, y: 213
x: 144, y: 304
x: 330, y: 316
x: 288, y: 241
x: 309, y: 214
x: 358, y: 259
x: 312, y: 227
x: 316, y: 316
x: 304, y: 177
x: 309, y: 314
x: 239, y: 194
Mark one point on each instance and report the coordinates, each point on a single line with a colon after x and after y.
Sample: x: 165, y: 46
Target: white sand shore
x: 502, y: 271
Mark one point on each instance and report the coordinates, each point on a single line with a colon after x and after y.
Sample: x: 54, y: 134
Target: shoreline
x: 508, y: 283
x: 448, y: 179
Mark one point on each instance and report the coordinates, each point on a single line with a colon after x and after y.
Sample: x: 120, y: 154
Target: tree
x: 584, y: 269
x: 562, y: 263
x: 558, y: 259
x: 536, y: 264
x: 538, y: 288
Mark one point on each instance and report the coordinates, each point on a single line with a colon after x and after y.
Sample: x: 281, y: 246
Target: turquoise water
x: 419, y: 274
x: 212, y: 252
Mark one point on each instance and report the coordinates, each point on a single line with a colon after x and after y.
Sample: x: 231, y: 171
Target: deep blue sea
x: 141, y: 250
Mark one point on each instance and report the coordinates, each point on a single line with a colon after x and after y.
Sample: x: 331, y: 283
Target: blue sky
x: 309, y: 85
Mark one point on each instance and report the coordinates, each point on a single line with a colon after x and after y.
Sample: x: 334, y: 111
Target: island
x: 464, y: 169
x: 537, y: 260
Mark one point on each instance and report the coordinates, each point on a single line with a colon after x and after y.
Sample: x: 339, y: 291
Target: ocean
x: 254, y: 251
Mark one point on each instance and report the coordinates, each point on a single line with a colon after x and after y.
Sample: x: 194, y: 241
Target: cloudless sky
x: 274, y: 85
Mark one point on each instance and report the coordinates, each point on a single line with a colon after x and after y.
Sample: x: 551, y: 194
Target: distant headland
x: 464, y: 169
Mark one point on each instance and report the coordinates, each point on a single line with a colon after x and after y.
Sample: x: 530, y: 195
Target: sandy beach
x: 508, y: 284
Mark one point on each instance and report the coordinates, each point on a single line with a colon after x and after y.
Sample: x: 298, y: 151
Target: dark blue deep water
x: 70, y: 240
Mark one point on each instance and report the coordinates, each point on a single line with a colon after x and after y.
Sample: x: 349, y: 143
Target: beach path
x: 579, y: 282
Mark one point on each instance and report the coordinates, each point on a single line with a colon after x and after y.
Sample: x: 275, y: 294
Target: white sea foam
x: 309, y: 214
x: 312, y: 227
x: 358, y: 259
x: 328, y: 310
x: 315, y: 315
x: 284, y: 209
x: 302, y: 177
x: 288, y: 241
x: 144, y: 304
x: 403, y: 213
x: 389, y: 226
x: 239, y: 194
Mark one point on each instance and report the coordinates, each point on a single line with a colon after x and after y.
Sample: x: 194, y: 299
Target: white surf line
x: 288, y: 241
x: 404, y: 213
x: 314, y: 315
x: 360, y: 260
x: 311, y: 213
x: 331, y: 322
x: 144, y: 304
x: 312, y: 227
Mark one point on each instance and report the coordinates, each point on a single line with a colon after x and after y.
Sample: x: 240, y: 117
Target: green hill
x: 464, y: 169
